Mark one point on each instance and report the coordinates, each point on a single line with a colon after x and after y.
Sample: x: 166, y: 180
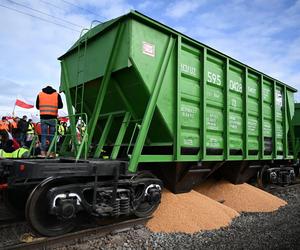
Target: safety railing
x: 77, y: 136
x: 74, y: 140
x: 32, y: 146
x: 108, y: 119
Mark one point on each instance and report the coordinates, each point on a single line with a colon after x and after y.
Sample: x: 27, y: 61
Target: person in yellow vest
x: 7, y: 142
x: 61, y: 132
x: 18, y: 153
x: 48, y: 102
x: 9, y: 147
x: 29, y: 133
x: 61, y: 129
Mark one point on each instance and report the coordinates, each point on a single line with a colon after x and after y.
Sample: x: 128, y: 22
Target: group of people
x: 20, y: 129
x: 19, y: 132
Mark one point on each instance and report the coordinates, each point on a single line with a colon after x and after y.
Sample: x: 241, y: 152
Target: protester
x: 22, y: 127
x: 15, y: 130
x: 38, y: 130
x: 48, y: 102
x: 37, y: 148
x: 7, y: 142
x: 61, y: 132
x: 4, y: 124
x: 16, y: 133
x: 29, y: 133
x: 13, y: 125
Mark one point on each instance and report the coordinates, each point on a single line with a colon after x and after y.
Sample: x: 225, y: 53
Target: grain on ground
x: 242, y: 197
x: 189, y: 213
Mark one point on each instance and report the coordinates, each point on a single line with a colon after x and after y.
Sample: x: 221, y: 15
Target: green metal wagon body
x: 156, y: 96
x: 296, y: 123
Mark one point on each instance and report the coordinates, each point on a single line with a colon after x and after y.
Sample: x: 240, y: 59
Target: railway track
x: 16, y: 234
x: 10, y: 224
x: 45, y: 243
x: 10, y: 232
x: 278, y: 189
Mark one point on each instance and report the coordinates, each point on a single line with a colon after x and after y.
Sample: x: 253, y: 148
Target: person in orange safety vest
x: 4, y: 124
x: 48, y: 102
x: 13, y: 125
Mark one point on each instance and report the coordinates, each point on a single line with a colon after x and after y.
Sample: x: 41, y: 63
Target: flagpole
x: 13, y: 113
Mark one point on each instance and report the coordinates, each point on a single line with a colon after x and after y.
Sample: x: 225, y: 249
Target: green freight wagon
x: 296, y: 123
x: 167, y: 103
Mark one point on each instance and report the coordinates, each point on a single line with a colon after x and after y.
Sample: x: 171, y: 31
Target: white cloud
x: 181, y: 8
x: 145, y: 5
x: 149, y: 5
x: 252, y: 32
x: 105, y: 9
x: 30, y: 47
x: 263, y: 37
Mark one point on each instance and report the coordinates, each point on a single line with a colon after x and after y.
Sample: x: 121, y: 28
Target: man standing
x: 48, y: 102
x: 22, y: 127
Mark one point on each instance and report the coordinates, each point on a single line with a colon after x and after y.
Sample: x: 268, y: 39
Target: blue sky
x: 264, y: 34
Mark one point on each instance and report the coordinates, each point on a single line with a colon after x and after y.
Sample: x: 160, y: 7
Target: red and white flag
x: 63, y: 119
x: 22, y: 104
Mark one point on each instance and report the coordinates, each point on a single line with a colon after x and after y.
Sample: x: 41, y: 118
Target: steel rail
x: 45, y: 243
x: 10, y: 223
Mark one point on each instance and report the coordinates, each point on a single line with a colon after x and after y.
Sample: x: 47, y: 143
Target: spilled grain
x: 242, y: 197
x: 189, y: 212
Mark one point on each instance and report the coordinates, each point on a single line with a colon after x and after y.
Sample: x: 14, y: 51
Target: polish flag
x: 23, y: 104
x: 63, y: 119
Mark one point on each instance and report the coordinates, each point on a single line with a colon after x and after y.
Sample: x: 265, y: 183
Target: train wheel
x: 37, y: 211
x: 263, y: 177
x: 146, y: 206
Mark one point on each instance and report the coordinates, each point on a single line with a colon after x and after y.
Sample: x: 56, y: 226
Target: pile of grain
x: 190, y: 212
x: 242, y: 198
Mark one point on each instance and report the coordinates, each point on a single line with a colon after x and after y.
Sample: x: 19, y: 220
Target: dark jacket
x: 5, y: 143
x: 23, y: 126
x: 49, y: 90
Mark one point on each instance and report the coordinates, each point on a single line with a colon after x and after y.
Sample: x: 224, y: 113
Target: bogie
x: 53, y: 206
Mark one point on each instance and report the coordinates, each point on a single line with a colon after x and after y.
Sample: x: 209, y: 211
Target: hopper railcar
x: 162, y: 109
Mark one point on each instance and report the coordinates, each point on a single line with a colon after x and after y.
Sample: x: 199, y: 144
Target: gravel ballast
x: 274, y: 230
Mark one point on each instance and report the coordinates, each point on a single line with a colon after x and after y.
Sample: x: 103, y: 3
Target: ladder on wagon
x: 78, y: 117
x: 81, y: 67
x: 109, y: 118
x: 81, y: 64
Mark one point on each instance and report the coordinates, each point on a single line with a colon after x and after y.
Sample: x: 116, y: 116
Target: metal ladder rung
x: 79, y: 97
